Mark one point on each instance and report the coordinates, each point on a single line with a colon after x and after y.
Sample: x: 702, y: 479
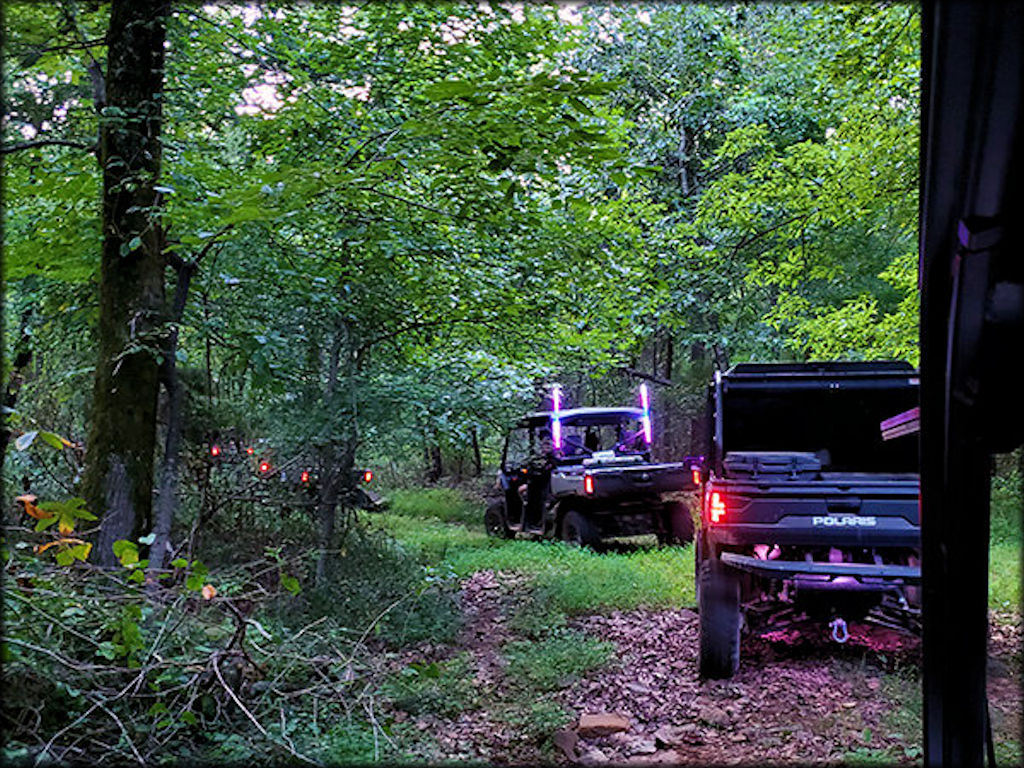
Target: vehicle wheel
x: 679, y: 523
x: 578, y: 530
x: 495, y: 522
x: 719, y: 605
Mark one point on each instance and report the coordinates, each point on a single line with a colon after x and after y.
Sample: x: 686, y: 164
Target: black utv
x: 810, y: 501
x: 586, y: 473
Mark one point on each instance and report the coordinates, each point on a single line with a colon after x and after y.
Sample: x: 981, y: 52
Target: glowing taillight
x: 250, y: 451
x: 717, y: 507
x: 304, y: 477
x: 215, y: 450
x: 367, y: 476
x: 696, y: 476
x: 588, y: 484
x: 264, y: 467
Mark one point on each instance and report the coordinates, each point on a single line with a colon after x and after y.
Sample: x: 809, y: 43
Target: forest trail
x: 798, y: 697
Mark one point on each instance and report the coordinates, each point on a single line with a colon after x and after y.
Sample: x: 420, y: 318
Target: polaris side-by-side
x: 810, y: 501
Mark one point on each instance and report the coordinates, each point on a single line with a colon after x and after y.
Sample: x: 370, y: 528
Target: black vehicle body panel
x: 797, y: 459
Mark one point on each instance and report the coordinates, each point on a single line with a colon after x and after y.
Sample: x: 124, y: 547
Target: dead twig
x: 252, y: 717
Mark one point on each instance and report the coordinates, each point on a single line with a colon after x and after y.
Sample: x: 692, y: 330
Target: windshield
x: 622, y: 435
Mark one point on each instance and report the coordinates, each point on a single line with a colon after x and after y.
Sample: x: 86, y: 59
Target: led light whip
x: 556, y: 422
x: 645, y: 403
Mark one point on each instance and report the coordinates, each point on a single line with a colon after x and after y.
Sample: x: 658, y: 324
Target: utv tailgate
x: 626, y: 480
x: 843, y: 510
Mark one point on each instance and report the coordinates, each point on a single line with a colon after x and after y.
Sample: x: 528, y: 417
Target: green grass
x: 442, y: 688
x: 445, y: 504
x: 576, y: 580
x: 1004, y: 587
x: 556, y: 661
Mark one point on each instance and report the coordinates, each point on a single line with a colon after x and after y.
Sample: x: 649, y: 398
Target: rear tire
x: 578, y: 530
x: 496, y: 523
x: 679, y: 523
x: 719, y: 604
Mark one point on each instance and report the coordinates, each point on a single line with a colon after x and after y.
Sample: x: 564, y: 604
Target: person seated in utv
x: 539, y: 467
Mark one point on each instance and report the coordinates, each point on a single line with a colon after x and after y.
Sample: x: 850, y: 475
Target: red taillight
x: 215, y: 450
x: 264, y: 467
x: 304, y: 477
x: 367, y: 476
x: 588, y: 484
x: 696, y: 476
x: 250, y: 451
x: 717, y: 507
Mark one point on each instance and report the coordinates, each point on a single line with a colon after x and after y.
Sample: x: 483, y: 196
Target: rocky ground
x: 798, y: 698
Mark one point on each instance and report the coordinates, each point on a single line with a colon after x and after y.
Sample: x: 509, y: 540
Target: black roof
x: 828, y: 367
x: 581, y: 416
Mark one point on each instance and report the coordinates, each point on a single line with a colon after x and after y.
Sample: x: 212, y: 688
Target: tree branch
x: 9, y: 148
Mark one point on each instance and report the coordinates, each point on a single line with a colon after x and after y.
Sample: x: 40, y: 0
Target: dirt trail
x: 798, y: 697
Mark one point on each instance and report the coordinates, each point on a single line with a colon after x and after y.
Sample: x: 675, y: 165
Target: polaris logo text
x: 846, y: 521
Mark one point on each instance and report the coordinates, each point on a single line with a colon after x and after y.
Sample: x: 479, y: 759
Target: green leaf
x: 127, y: 552
x: 448, y: 89
x: 64, y: 557
x: 290, y: 583
x: 53, y: 439
x: 179, y: 562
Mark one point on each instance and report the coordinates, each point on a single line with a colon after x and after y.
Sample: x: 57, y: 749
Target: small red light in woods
x: 250, y: 451
x: 588, y: 484
x: 215, y: 450
x: 304, y: 477
x: 367, y: 476
x: 717, y: 507
x: 264, y: 466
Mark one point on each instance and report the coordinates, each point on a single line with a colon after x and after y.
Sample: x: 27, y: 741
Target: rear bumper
x: 886, y: 532
x: 865, y: 573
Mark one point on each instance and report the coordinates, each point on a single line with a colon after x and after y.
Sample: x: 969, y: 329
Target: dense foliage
x: 386, y: 229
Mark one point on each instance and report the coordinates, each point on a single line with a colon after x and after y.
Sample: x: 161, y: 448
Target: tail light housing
x: 588, y: 485
x: 717, y: 507
x: 304, y: 477
x: 215, y: 451
x: 695, y: 475
x: 264, y: 467
x: 367, y: 475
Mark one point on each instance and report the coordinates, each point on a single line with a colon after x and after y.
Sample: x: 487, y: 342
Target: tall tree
x: 119, y: 462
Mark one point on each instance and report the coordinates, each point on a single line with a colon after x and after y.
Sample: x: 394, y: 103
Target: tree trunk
x: 118, y: 482
x: 477, y: 462
x: 436, y: 468
x: 22, y: 358
x: 167, y: 499
x: 337, y: 457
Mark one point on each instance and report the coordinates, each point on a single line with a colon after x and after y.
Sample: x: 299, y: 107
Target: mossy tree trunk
x: 118, y: 483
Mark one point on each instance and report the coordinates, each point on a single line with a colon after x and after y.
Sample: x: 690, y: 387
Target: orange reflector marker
x: 588, y: 484
x: 367, y: 475
x: 696, y: 476
x: 717, y: 507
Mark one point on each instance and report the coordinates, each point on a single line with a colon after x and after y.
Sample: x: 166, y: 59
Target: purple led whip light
x: 645, y: 403
x: 556, y: 423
